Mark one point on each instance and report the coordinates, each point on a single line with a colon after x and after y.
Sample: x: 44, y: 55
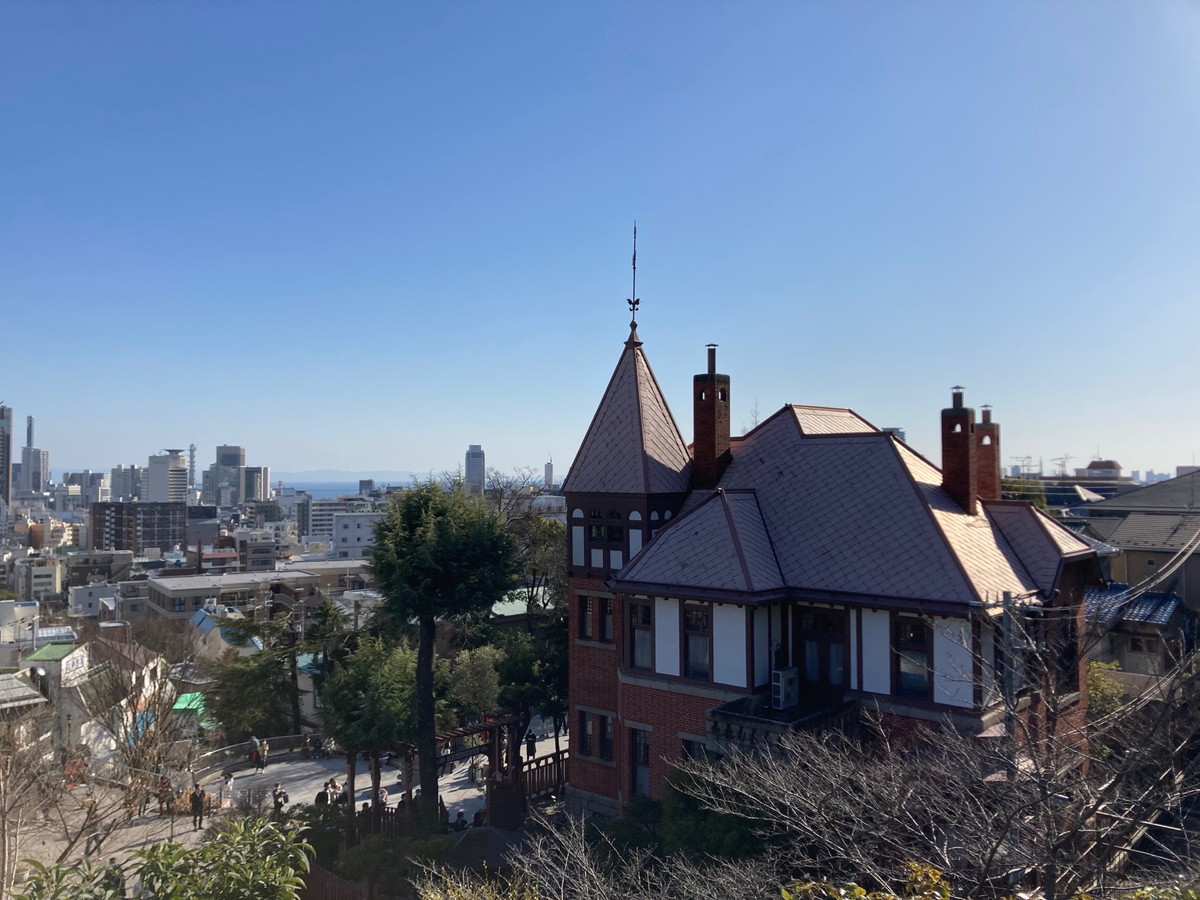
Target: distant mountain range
x: 382, y: 476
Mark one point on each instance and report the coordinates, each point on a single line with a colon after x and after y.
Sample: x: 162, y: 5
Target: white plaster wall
x: 729, y: 644
x: 987, y: 653
x: 953, y: 682
x: 666, y: 636
x: 877, y: 652
x: 762, y: 646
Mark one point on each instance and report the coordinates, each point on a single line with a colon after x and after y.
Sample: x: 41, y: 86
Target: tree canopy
x: 438, y: 555
x: 249, y: 860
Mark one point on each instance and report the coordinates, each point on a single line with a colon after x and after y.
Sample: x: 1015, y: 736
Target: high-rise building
x: 125, y: 482
x: 256, y: 483
x: 224, y: 482
x: 35, y: 469
x: 475, y: 469
x: 138, y: 526
x: 6, y: 426
x: 166, y: 478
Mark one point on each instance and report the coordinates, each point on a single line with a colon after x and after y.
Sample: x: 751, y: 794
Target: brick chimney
x: 987, y: 456
x: 959, y: 473
x: 710, y: 424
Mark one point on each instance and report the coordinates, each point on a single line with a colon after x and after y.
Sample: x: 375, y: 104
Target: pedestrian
x: 531, y: 745
x: 382, y: 795
x: 280, y: 799
x: 113, y: 879
x: 322, y: 796
x: 460, y: 821
x: 196, y: 799
x: 227, y: 791
x: 263, y: 750
x: 164, y: 794
x: 479, y: 821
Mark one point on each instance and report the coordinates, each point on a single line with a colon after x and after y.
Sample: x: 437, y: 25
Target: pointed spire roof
x: 633, y: 445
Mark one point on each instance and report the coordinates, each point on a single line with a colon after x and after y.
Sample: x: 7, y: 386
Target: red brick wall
x: 667, y: 713
x: 593, y: 683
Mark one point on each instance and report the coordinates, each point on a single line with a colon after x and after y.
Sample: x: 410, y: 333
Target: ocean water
x: 326, y: 489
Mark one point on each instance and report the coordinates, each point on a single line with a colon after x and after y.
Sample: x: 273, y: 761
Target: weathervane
x: 633, y: 301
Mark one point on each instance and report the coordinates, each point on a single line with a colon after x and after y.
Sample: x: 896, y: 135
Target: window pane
x: 697, y: 656
x: 837, y: 664
x: 913, y: 680
x: 812, y: 661
x: 641, y: 648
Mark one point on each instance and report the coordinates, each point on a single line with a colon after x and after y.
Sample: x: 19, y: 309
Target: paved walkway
x: 302, y: 778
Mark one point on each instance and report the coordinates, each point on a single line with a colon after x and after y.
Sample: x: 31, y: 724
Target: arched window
x: 635, y: 516
x: 577, y: 514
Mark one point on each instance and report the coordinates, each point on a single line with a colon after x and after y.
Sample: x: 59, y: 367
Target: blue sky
x: 364, y: 235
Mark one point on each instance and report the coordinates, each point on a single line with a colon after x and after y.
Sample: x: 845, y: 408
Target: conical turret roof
x: 633, y: 445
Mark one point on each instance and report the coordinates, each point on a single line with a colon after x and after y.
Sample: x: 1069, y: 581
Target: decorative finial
x: 633, y: 300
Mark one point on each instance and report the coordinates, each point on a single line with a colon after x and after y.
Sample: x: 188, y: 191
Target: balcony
x: 749, y: 724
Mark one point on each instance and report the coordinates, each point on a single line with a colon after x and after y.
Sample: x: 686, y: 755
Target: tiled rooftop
x: 857, y: 512
x: 633, y: 445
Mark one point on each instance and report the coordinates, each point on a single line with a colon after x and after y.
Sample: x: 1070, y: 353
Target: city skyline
x: 411, y: 227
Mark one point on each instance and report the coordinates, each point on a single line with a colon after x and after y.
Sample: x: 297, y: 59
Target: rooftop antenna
x: 633, y: 300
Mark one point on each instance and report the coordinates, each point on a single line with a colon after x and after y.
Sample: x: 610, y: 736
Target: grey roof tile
x: 633, y: 445
x: 1154, y: 531
x: 852, y: 512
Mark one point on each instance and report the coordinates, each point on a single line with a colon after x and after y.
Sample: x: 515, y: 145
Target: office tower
x: 256, y: 483
x: 224, y: 482
x: 893, y: 430
x: 29, y: 431
x: 549, y: 480
x: 6, y: 426
x: 475, y: 469
x: 35, y: 469
x: 125, y: 482
x: 166, y: 478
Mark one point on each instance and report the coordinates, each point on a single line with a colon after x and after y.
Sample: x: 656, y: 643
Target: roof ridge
x: 928, y: 511
x: 737, y: 542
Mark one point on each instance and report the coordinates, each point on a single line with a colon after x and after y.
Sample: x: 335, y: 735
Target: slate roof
x: 855, y: 512
x: 1154, y: 532
x: 1176, y: 495
x: 1107, y: 606
x: 633, y: 445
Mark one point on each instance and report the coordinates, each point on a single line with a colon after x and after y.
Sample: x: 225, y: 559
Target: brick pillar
x: 710, y: 424
x: 959, y: 473
x: 987, y: 457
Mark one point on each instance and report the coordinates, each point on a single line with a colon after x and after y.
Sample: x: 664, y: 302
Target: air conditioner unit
x: 785, y: 687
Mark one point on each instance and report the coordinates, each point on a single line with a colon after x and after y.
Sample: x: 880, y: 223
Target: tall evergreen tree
x: 437, y: 556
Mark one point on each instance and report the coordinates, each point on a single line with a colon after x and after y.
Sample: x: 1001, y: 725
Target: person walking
x: 279, y: 799
x: 196, y: 799
x: 264, y: 748
x: 530, y: 745
x: 227, y: 791
x: 165, y: 795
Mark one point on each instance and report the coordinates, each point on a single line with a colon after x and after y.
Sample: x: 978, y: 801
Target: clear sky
x: 365, y: 235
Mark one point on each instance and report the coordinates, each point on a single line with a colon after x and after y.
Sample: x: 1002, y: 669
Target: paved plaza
x: 300, y: 776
